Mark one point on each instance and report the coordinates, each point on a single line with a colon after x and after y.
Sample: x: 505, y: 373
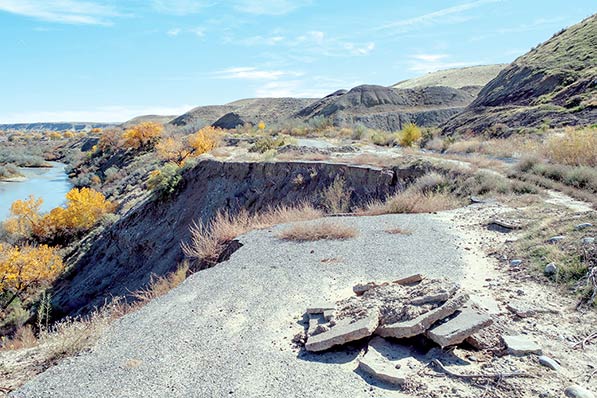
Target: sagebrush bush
x: 165, y: 180
x: 336, y: 197
x: 323, y: 230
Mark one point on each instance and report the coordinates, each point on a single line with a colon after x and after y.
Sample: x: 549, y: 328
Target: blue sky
x: 109, y: 60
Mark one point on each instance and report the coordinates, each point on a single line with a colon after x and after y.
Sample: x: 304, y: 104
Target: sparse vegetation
x: 410, y: 134
x: 336, y: 197
x: 322, y: 230
x: 209, y: 239
x: 142, y: 136
x: 575, y: 147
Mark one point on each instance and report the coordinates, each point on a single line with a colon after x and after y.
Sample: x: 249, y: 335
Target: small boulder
x: 578, y: 392
x: 521, y: 345
x: 457, y: 329
x: 521, y: 309
x: 555, y: 239
x: 588, y: 240
x: 515, y: 263
x: 583, y: 226
x: 549, y: 363
x: 551, y: 269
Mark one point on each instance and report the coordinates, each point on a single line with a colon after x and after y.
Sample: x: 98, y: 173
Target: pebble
x: 548, y: 362
x: 515, y: 263
x: 578, y: 392
x: 588, y: 241
x: 583, y: 226
x: 551, y: 269
x: 555, y: 239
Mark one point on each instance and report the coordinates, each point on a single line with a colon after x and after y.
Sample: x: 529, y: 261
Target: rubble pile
x: 437, y: 309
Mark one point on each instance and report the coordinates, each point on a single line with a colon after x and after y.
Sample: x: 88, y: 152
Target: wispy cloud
x: 251, y: 73
x: 114, y: 114
x: 269, y: 7
x: 313, y: 87
x: 445, y: 15
x: 62, y: 11
x: 174, y: 32
x: 425, y: 63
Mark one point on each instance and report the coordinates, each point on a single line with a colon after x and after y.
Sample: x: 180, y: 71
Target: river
x: 51, y: 184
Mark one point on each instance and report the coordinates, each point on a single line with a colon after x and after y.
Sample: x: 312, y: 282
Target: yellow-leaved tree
x: 22, y: 268
x: 84, y: 208
x: 205, y: 140
x: 178, y: 150
x: 24, y: 214
x: 143, y: 135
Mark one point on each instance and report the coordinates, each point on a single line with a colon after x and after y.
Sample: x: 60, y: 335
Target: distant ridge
x: 54, y: 126
x: 456, y: 78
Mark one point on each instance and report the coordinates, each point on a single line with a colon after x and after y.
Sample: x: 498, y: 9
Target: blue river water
x: 50, y: 183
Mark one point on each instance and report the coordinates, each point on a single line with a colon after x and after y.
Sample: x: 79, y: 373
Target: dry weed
x: 323, y: 230
x: 413, y: 201
x: 208, y: 240
x: 574, y: 147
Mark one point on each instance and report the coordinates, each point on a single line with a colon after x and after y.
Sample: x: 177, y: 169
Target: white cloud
x: 199, y: 32
x: 355, y: 49
x: 269, y: 7
x: 61, y: 11
x: 314, y: 87
x: 262, y: 40
x: 174, y: 32
x: 445, y: 15
x: 425, y: 63
x: 251, y: 73
x: 113, y: 114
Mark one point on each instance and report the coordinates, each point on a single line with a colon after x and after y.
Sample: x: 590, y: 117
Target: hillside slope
x: 554, y: 84
x: 387, y: 108
x: 147, y: 240
x: 456, y: 78
x: 253, y: 110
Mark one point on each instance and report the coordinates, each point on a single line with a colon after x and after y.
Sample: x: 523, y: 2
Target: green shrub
x: 165, y: 180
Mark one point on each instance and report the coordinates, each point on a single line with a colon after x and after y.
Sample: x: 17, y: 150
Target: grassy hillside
x: 456, y: 78
x: 552, y: 85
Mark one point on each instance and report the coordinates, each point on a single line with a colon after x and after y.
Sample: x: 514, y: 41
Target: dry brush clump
x: 322, y: 230
x: 209, y: 239
x: 575, y: 147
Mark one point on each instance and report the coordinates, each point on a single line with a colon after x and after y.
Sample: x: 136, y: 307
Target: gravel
x: 227, y: 331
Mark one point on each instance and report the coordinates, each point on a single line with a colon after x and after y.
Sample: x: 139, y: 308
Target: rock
x: 551, y: 269
x: 588, y: 240
x: 376, y: 363
x: 361, y: 288
x: 457, y: 329
x: 475, y: 199
x: 320, y: 308
x: 409, y: 280
x: 521, y: 309
x: 515, y: 263
x: 548, y: 362
x: 486, y: 339
x: 314, y: 321
x: 583, y: 226
x: 343, y: 333
x: 521, y: 345
x: 555, y: 239
x: 578, y: 392
x: 421, y: 323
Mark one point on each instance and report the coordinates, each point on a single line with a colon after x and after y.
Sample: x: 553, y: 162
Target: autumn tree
x: 84, y: 208
x: 109, y: 139
x: 178, y: 150
x: 26, y: 267
x: 24, y: 215
x: 143, y: 135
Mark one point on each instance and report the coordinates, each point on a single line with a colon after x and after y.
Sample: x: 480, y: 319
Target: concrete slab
x: 343, y: 333
x: 421, y: 323
x: 457, y: 329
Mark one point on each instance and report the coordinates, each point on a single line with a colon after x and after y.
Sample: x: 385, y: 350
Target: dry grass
x: 398, y: 231
x: 573, y: 147
x: 160, y: 285
x: 296, y: 155
x: 369, y: 159
x: 336, y: 197
x: 413, y: 201
x: 323, y: 230
x: 208, y: 240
